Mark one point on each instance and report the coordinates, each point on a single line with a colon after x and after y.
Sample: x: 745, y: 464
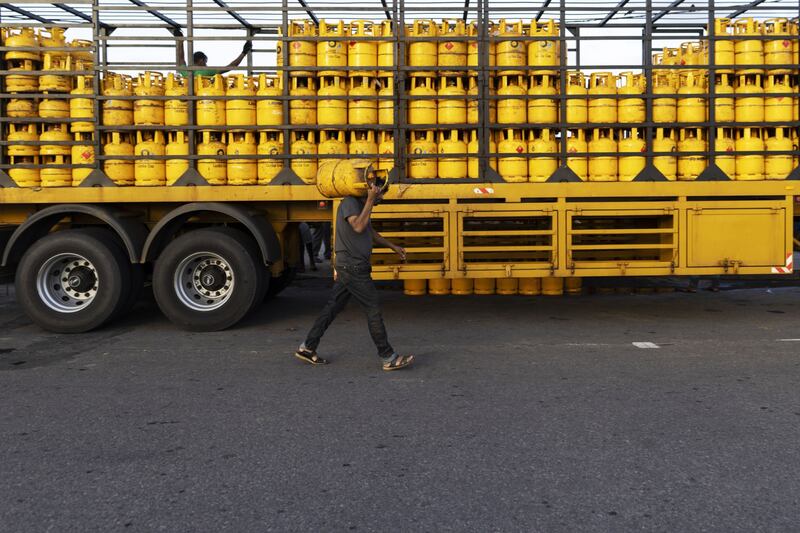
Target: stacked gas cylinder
x: 45, y: 147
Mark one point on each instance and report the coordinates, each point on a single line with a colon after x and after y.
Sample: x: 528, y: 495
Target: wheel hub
x: 204, y: 281
x: 67, y: 283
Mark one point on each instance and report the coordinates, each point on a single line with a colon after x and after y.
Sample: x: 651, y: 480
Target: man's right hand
x: 176, y: 32
x: 372, y: 193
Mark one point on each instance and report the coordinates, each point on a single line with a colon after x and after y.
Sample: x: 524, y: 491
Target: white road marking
x: 646, y: 345
x: 788, y: 340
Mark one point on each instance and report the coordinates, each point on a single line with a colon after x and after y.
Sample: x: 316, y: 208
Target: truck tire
x: 73, y: 281
x: 209, y: 279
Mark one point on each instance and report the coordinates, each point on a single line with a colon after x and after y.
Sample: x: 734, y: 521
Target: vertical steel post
x: 647, y: 61
x: 401, y: 129
x: 712, y: 88
x: 283, y: 42
x: 100, y: 65
x: 562, y: 79
x: 484, y: 94
x: 192, y: 134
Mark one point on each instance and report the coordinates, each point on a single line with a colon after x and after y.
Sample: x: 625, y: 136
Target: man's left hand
x: 399, y: 250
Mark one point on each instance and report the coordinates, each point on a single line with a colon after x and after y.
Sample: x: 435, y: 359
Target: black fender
x: 255, y: 222
x: 129, y: 229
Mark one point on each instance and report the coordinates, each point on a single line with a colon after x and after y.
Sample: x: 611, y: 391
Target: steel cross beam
x: 466, y: 10
x: 81, y: 15
x: 545, y: 5
x: 386, y: 9
x: 308, y: 10
x: 156, y: 13
x: 614, y: 12
x: 742, y: 10
x: 669, y: 8
x: 234, y: 14
x: 25, y: 13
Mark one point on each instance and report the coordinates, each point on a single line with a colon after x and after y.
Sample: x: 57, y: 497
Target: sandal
x: 310, y: 357
x: 401, y: 361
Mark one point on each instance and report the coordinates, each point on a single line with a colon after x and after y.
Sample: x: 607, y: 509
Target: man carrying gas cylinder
x: 353, y: 247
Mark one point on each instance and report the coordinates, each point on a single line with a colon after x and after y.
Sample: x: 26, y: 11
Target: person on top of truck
x: 353, y: 246
x: 201, y: 59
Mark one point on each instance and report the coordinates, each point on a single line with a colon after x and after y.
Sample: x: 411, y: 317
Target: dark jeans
x: 353, y: 280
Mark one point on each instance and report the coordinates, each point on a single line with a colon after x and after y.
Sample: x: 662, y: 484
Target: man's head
x: 200, y: 59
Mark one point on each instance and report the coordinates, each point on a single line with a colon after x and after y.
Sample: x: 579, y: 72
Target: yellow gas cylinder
x: 242, y: 171
x: 796, y: 148
x: 331, y: 142
x: 451, y: 143
x: 530, y: 286
x: 511, y: 108
x: 513, y: 169
x: 176, y: 109
x: 346, y: 177
x: 778, y: 108
x: 541, y: 168
x: 386, y: 100
x: 577, y: 104
x: 53, y: 38
x: 507, y: 286
x: 422, y: 144
x: 18, y: 81
x: 415, y: 287
x: 302, y: 54
x: 362, y: 103
x: 331, y: 51
x: 749, y: 166
x: 603, y: 167
x: 81, y: 54
x: 82, y: 153
x: 723, y: 95
x: 452, y: 49
x: 176, y: 150
x: 724, y: 53
x: 22, y: 108
x: 241, y: 110
x: 690, y: 55
x: 691, y: 101
x: 82, y: 108
x: 484, y: 286
x: 542, y: 104
x: 473, y: 101
x: 269, y: 111
x: 422, y: 53
x: 474, y: 49
x: 52, y: 82
x: 149, y: 172
x: 748, y: 45
x: 794, y: 30
x: 302, y: 143
x: 210, y: 107
x: 778, y: 48
x: 21, y: 38
x: 120, y: 171
x: 602, y: 110
x: 552, y: 286
x: 422, y: 107
x: 778, y: 165
x: 362, y: 51
x: 53, y: 157
x: 725, y: 146
x: 632, y: 147
x: 630, y: 108
x: 386, y: 148
x: 332, y: 105
x: 473, y: 163
x: 214, y: 171
x: 544, y: 53
x: 749, y: 98
x: 692, y: 147
x: 462, y: 286
x: 439, y: 286
x: 270, y: 145
x: 53, y: 108
x: 452, y: 104
x: 362, y: 142
x: 578, y: 163
x: 148, y: 111
x: 664, y: 148
x: 117, y: 112
x: 665, y: 110
x: 511, y: 52
x: 303, y: 112
x: 386, y: 48
x: 573, y: 286
x: 20, y: 152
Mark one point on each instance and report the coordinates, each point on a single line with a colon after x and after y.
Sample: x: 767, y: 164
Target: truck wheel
x: 209, y: 279
x: 73, y: 281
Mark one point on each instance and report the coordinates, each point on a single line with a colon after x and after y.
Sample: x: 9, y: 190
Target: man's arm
x: 180, y: 56
x: 360, y: 222
x: 236, y: 62
x: 380, y: 240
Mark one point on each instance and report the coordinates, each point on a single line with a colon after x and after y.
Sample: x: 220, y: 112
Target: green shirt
x: 185, y: 73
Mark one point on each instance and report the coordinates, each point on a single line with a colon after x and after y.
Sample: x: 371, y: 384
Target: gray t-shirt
x: 352, y: 247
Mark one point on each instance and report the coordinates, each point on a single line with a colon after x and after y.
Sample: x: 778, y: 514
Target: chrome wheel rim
x: 204, y: 281
x: 67, y: 283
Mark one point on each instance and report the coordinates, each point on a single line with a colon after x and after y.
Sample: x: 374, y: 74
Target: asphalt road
x: 522, y: 414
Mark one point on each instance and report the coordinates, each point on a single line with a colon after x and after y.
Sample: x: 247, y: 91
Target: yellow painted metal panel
x: 740, y: 237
